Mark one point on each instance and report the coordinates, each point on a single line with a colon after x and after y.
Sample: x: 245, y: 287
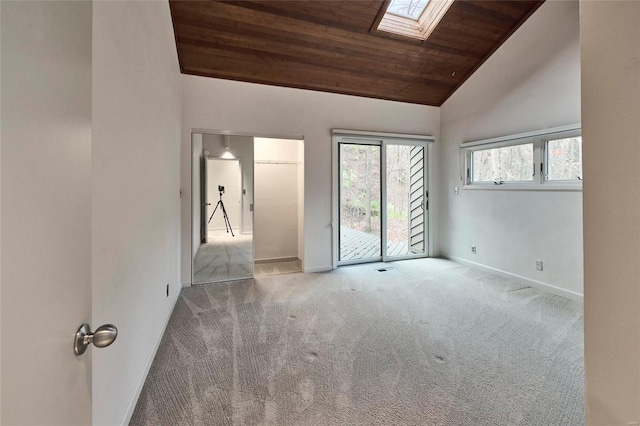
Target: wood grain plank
x: 265, y: 69
x: 334, y: 46
x: 246, y: 20
x: 340, y: 59
x: 352, y: 15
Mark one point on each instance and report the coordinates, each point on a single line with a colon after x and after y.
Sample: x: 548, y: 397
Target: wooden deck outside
x: 356, y: 245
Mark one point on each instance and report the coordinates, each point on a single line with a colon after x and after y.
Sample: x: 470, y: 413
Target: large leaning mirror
x: 222, y: 207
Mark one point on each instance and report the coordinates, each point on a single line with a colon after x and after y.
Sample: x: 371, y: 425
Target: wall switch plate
x: 539, y: 265
x: 473, y: 249
x: 456, y: 191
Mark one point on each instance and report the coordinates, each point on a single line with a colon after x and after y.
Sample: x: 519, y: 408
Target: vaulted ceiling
x: 334, y: 46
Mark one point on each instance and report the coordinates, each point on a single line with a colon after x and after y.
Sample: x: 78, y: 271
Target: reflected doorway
x: 236, y: 179
x: 222, y: 180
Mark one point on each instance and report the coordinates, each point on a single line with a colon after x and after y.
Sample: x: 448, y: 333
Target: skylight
x: 411, y: 9
x: 413, y: 18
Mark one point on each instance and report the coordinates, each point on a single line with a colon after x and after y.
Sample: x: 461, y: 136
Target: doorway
x: 279, y: 205
x: 223, y: 178
x: 260, y: 182
x: 222, y: 210
x: 381, y: 189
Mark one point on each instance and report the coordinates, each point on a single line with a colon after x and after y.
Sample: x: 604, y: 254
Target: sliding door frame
x: 357, y: 137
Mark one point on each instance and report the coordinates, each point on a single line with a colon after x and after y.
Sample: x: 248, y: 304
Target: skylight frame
x: 402, y: 15
x: 421, y: 29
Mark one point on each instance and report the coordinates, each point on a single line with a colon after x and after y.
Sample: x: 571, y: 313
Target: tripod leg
x: 214, y: 211
x: 229, y: 224
x: 226, y: 220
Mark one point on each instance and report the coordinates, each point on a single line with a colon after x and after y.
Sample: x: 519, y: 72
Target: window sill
x: 567, y: 187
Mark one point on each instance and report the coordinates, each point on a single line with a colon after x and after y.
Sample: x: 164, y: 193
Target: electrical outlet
x: 473, y: 249
x: 456, y: 191
x: 539, y: 265
x: 167, y: 290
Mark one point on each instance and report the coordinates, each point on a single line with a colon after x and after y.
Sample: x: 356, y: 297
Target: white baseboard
x: 277, y: 259
x: 143, y: 377
x: 528, y: 281
x: 318, y: 269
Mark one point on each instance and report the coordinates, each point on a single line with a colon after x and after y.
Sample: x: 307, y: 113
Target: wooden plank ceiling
x: 334, y: 46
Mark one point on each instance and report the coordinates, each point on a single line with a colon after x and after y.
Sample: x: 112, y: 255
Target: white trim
x: 347, y: 133
x: 335, y: 200
x: 248, y: 134
x: 526, y: 135
x: 318, y: 269
x: 516, y: 186
x: 133, y: 401
x: 295, y: 163
x: 277, y: 259
x: 539, y: 285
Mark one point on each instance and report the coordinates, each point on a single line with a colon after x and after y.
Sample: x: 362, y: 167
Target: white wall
x: 268, y: 110
x: 276, y: 198
x: 46, y: 211
x: 611, y: 154
x: 196, y: 211
x: 532, y: 82
x: 136, y: 183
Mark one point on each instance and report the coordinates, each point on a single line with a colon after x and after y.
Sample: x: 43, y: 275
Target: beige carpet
x: 432, y: 343
x: 262, y: 269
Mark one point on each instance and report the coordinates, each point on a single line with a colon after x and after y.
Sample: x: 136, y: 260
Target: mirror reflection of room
x: 223, y: 204
x: 237, y: 237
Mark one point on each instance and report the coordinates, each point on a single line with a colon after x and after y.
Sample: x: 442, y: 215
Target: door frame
x: 382, y: 140
x: 240, y: 179
x: 203, y: 131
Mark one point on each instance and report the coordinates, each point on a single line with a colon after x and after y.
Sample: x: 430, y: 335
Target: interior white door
x: 45, y: 211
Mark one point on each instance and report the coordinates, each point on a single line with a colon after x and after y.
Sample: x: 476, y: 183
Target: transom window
x: 538, y: 158
x: 504, y: 164
x: 564, y: 159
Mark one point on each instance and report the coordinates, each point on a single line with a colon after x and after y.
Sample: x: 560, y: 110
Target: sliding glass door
x: 406, y: 201
x: 360, y: 194
x: 383, y: 200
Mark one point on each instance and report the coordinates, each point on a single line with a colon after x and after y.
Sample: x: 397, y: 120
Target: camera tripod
x: 220, y: 204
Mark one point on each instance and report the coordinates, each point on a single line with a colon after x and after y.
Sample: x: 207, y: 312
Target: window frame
x: 546, y: 161
x: 540, y: 140
x: 419, y: 29
x: 497, y: 146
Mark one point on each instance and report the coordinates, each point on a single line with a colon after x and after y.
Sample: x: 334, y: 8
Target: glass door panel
x: 360, y: 230
x: 406, y: 217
